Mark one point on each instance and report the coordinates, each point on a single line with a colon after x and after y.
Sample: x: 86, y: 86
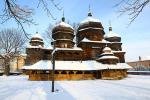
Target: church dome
x: 63, y: 35
x: 107, y: 50
x: 90, y: 22
x: 112, y: 36
x: 36, y: 40
x: 63, y: 27
x: 91, y: 28
x: 37, y: 36
x: 107, y: 57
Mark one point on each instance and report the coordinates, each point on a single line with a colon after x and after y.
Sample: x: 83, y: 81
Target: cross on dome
x: 37, y: 35
x: 110, y: 27
x: 63, y: 18
x: 89, y: 12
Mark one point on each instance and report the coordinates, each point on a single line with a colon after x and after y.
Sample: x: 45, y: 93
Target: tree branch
x: 132, y: 7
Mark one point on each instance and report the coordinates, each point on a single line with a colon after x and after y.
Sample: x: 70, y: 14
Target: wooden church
x: 93, y: 54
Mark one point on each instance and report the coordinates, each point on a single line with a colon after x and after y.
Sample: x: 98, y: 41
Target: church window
x: 65, y: 45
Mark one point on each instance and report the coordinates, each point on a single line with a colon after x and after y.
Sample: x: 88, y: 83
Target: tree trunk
x: 7, y: 67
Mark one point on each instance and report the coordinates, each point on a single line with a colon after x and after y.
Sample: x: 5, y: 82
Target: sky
x: 135, y: 37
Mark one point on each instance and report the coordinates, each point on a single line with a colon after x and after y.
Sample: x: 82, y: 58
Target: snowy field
x: 19, y: 88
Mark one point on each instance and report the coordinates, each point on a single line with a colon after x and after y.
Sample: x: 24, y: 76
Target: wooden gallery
x: 88, y: 53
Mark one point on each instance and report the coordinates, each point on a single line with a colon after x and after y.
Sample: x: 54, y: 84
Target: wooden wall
x: 114, y: 74
x: 77, y: 75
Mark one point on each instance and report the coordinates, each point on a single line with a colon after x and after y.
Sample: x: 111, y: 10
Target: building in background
x: 16, y: 63
x: 143, y: 64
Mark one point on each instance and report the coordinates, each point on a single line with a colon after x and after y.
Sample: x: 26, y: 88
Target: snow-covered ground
x: 135, y: 87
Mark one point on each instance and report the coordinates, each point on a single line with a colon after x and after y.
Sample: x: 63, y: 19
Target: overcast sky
x: 135, y: 38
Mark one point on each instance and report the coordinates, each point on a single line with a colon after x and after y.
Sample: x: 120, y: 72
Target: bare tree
x: 132, y: 7
x: 23, y: 14
x: 48, y: 34
x: 11, y: 44
x: 75, y: 27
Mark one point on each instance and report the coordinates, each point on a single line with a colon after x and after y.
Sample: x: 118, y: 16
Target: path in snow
x: 135, y: 87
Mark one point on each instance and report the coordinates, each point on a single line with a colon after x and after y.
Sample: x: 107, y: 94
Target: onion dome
x: 91, y: 28
x: 36, y: 40
x: 90, y: 22
x: 112, y: 37
x: 37, y: 36
x: 63, y: 27
x: 107, y: 50
x: 107, y: 57
x: 63, y: 35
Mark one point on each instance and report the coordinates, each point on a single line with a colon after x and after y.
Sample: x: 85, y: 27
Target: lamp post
x: 53, y: 69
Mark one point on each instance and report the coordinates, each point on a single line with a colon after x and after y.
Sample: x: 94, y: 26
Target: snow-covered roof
x: 117, y: 51
x: 90, y: 28
x: 107, y: 53
x: 74, y: 48
x: 49, y: 47
x: 64, y: 65
x: 65, y: 39
x: 108, y: 57
x: 37, y: 35
x: 87, y: 40
x: 74, y: 65
x: 105, y: 41
x: 23, y: 54
x: 118, y: 66
x: 36, y: 40
x: 112, y: 34
x: 30, y: 46
x: 89, y: 19
x: 63, y: 24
